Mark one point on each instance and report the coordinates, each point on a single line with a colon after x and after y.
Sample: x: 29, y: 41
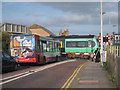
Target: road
x: 54, y: 75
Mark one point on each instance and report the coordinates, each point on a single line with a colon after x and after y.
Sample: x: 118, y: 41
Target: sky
x: 80, y: 18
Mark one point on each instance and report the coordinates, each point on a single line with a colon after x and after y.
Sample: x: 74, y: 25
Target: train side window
x: 48, y: 46
x: 82, y: 44
x: 71, y: 44
x: 43, y: 46
x: 55, y: 46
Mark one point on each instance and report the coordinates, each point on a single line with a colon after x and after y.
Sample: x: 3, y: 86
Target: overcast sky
x: 78, y: 17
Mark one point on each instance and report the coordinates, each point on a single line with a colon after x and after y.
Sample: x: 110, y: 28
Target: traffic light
x: 105, y: 39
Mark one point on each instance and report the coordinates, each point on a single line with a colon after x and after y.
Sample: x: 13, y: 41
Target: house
x: 14, y: 28
x: 40, y: 30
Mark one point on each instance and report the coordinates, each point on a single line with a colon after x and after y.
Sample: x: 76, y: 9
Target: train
x: 31, y: 48
x: 77, y: 46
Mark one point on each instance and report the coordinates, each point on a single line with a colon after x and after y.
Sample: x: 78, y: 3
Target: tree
x: 0, y: 41
x: 5, y: 41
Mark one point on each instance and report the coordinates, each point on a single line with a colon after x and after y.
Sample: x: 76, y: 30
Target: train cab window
x: 91, y: 43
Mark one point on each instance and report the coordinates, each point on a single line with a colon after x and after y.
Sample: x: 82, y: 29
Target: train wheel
x: 44, y: 60
x: 57, y: 58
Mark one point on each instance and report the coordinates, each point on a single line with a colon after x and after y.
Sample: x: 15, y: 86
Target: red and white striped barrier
x: 76, y: 53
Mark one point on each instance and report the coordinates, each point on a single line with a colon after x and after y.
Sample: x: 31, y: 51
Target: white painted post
x: 110, y: 49
x: 101, y: 35
x: 117, y: 50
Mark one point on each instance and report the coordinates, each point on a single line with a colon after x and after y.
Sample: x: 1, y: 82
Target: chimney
x: 60, y: 33
x: 67, y: 31
x: 107, y: 33
x: 113, y: 33
x: 99, y: 34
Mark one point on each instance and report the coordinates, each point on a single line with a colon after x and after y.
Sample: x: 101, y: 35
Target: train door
x: 39, y: 52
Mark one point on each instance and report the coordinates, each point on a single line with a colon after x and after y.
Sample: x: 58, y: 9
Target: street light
x: 101, y: 35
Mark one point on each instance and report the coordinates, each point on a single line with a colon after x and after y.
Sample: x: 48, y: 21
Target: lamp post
x: 101, y: 35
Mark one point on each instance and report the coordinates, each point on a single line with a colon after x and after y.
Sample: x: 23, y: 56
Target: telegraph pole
x: 101, y: 34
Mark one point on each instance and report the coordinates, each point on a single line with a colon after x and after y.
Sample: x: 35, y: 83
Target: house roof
x: 35, y: 26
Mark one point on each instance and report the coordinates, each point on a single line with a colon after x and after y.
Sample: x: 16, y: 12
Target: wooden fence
x: 113, y: 61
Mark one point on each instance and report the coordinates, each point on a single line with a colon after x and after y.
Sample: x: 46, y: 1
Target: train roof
x: 42, y: 37
x: 75, y: 36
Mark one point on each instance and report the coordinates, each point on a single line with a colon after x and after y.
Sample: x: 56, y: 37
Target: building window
x: 23, y: 29
x: 13, y: 28
x: 8, y: 27
x: 19, y: 28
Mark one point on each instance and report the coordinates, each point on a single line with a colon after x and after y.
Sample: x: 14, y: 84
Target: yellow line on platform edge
x: 72, y: 76
x: 69, y: 78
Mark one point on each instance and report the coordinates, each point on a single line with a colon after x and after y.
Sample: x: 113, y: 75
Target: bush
x: 0, y: 41
x: 5, y: 41
x: 106, y: 66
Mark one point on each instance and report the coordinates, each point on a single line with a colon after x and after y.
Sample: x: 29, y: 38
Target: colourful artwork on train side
x: 22, y: 46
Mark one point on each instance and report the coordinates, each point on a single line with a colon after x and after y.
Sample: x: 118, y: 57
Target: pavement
x: 92, y: 75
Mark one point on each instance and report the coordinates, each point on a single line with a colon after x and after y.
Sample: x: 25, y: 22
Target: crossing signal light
x: 105, y: 39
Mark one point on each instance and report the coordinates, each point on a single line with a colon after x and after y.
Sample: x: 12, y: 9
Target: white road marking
x: 32, y: 71
x: 14, y: 76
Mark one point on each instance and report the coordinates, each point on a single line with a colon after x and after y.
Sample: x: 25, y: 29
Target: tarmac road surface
x: 55, y: 75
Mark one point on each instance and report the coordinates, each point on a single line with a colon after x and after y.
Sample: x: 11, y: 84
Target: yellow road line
x: 69, y: 81
x: 74, y: 76
x: 69, y: 78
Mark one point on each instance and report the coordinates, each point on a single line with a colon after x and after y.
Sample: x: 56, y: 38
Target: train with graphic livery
x: 31, y: 48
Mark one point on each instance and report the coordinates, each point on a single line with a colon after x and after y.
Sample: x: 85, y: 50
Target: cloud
x: 35, y: 14
x: 71, y: 14
x: 110, y: 18
x: 81, y: 7
x: 69, y: 19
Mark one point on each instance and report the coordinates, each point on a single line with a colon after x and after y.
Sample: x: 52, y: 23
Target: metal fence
x: 113, y: 61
